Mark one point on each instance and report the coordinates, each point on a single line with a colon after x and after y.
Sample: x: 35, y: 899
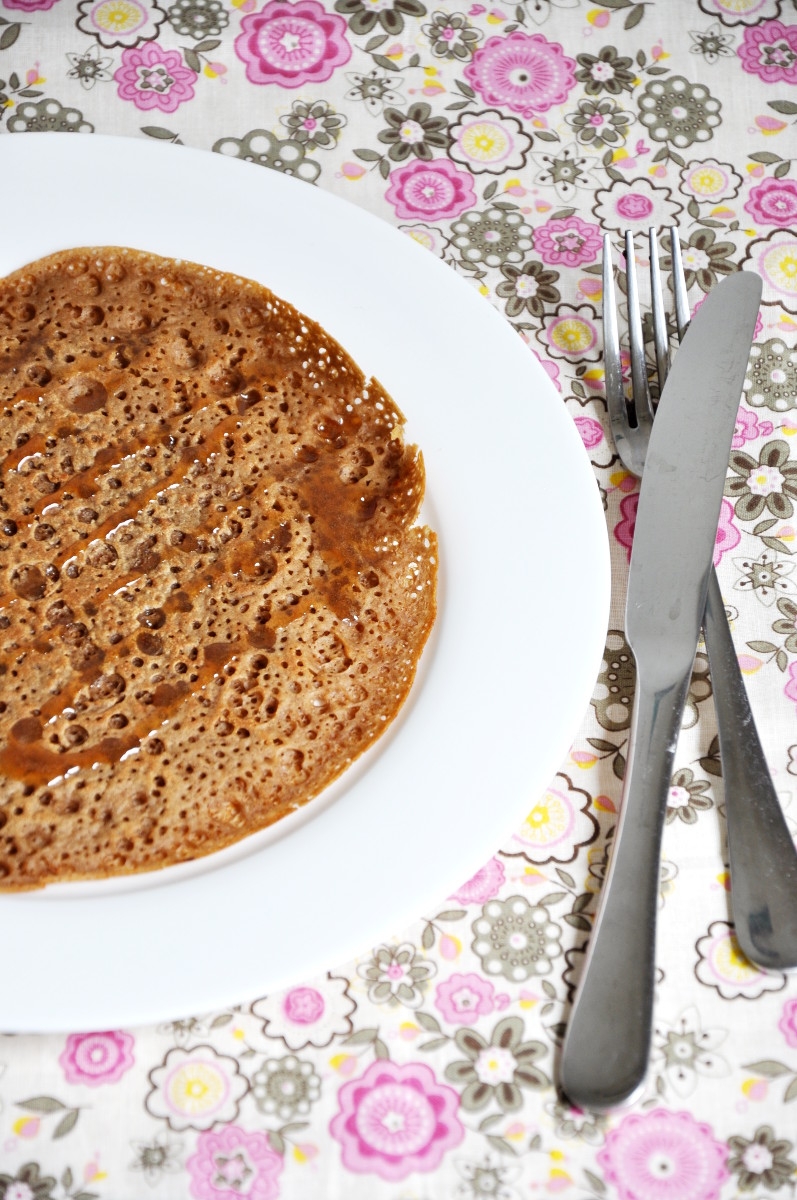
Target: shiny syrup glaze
x: 208, y: 425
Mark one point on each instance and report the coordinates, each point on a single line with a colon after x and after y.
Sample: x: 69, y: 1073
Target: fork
x: 763, y: 859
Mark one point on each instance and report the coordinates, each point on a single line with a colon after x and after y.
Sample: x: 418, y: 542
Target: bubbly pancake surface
x: 214, y: 591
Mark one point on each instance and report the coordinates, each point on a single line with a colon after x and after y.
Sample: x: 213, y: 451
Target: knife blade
x: 607, y: 1042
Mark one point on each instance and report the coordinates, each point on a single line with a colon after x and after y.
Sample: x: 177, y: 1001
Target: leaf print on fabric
x: 394, y: 1120
x: 762, y: 1160
x: 787, y: 624
x: 614, y: 690
x: 488, y: 142
x: 196, y: 1089
x: 230, y: 1163
x: 498, y: 1067
x: 770, y: 482
x: 663, y: 1155
x: 308, y: 1015
x: 397, y: 975
x: 722, y: 966
x: 525, y: 73
x: 120, y: 22
x: 292, y: 44
x: 677, y: 111
x: 775, y: 259
x: 515, y: 939
x: 260, y: 146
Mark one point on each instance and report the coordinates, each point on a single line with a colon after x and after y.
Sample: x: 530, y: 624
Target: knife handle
x: 607, y: 1042
x: 763, y: 858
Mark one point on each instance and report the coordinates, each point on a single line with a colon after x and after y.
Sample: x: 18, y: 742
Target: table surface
x: 425, y: 1070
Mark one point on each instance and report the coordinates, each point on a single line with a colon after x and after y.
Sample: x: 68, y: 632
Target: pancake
x: 214, y: 589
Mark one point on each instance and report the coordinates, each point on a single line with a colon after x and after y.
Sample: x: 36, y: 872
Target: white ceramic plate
x: 507, y: 675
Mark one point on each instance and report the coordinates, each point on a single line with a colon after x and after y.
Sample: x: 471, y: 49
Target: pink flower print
x: 463, y: 998
x: 748, y: 427
x: 29, y: 5
x: 550, y: 369
x: 394, y: 1120
x: 484, y: 885
x: 434, y: 189
x: 663, y: 1155
x: 728, y: 535
x: 527, y: 74
x: 624, y: 529
x: 96, y: 1058
x: 292, y: 44
x: 790, y: 689
x: 568, y: 240
x: 233, y: 1163
x: 788, y: 1022
x: 590, y: 431
x: 774, y: 202
x: 770, y: 51
x: 154, y: 78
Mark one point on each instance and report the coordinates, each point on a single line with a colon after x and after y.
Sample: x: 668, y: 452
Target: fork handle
x: 763, y: 859
x: 607, y: 1042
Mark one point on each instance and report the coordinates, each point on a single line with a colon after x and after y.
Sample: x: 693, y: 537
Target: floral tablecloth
x: 505, y: 137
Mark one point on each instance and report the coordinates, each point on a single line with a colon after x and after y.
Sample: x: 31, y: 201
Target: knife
x: 607, y: 1042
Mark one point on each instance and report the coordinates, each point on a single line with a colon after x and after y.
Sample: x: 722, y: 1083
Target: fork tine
x: 639, y: 373
x: 613, y: 371
x: 660, y: 337
x: 682, y: 316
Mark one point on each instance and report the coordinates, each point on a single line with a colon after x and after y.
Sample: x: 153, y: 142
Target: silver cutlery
x: 763, y: 858
x: 685, y: 456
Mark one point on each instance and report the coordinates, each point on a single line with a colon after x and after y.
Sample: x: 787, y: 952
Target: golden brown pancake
x: 213, y: 589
